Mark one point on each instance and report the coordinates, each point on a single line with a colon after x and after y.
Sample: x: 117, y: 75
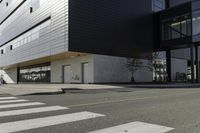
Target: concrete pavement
x: 165, y: 110
x: 25, y: 89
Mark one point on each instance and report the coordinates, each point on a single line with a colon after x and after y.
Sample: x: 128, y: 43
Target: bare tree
x: 133, y: 65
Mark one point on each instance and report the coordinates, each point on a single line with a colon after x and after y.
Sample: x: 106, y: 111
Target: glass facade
x: 196, y: 26
x: 158, y: 5
x: 176, y: 28
x: 39, y: 73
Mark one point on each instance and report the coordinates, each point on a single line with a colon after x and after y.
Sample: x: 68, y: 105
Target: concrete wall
x: 178, y: 65
x: 76, y: 66
x: 9, y: 75
x: 143, y: 74
x: 110, y: 69
x: 113, y: 69
x: 102, y: 69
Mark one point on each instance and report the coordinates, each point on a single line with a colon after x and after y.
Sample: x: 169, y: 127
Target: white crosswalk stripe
x: 46, y: 121
x: 7, y: 98
x: 14, y: 101
x: 135, y: 127
x: 31, y: 111
x: 15, y: 126
x: 20, y: 105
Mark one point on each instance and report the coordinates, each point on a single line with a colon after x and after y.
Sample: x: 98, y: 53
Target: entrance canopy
x: 180, y: 26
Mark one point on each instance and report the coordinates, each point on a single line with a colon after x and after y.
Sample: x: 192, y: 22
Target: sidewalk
x: 25, y: 89
x: 15, y: 89
x: 170, y: 85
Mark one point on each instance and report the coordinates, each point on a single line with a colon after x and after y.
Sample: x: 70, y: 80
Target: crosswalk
x: 7, y: 98
x: 9, y: 108
x: 135, y: 127
x: 12, y: 106
x: 14, y: 101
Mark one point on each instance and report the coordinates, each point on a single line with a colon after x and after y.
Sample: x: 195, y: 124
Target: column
x: 168, y: 58
x: 197, y: 63
x: 192, y: 63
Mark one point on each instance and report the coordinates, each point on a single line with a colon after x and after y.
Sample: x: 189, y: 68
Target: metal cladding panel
x: 111, y: 27
x: 6, y: 10
x: 52, y: 39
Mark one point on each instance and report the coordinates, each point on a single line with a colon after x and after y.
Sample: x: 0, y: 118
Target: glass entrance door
x: 38, y: 73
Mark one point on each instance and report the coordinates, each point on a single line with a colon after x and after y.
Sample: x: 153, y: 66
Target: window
x: 11, y: 47
x: 27, y: 37
x: 186, y: 28
x: 176, y: 28
x: 2, y: 51
x: 158, y: 5
x: 31, y: 9
x: 196, y: 26
x: 166, y: 31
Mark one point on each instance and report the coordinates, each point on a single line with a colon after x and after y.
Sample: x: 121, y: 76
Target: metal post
x: 168, y: 58
x: 192, y: 63
x: 18, y: 75
x: 197, y: 63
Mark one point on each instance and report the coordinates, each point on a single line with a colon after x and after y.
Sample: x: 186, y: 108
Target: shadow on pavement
x: 44, y: 93
x: 123, y: 89
x: 95, y: 91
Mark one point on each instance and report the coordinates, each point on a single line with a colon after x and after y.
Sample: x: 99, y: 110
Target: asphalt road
x: 175, y: 108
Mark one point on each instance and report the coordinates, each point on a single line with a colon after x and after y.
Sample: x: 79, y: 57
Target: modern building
x: 70, y: 41
x: 179, y: 34
x: 89, y: 41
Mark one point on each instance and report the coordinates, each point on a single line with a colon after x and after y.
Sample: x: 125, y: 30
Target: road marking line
x: 46, y: 121
x: 14, y: 101
x: 135, y: 127
x: 31, y: 111
x: 7, y: 98
x: 20, y: 105
x: 125, y: 100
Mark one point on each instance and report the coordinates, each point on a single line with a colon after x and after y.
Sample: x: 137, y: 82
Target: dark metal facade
x: 111, y: 27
